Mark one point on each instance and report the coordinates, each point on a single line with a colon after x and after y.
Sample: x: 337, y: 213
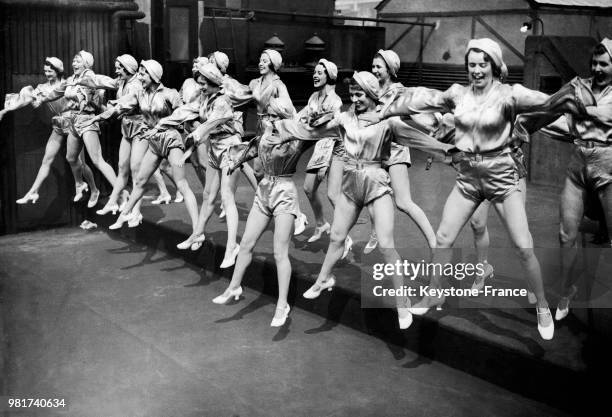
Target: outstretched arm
x: 407, y: 135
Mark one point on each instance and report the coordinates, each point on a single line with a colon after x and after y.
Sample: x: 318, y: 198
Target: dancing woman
x: 364, y: 182
x: 53, y: 69
x: 587, y: 103
x: 133, y: 146
x: 153, y: 102
x: 82, y: 104
x: 484, y: 115
x: 385, y: 66
x: 328, y: 154
x: 277, y: 198
x: 216, y: 110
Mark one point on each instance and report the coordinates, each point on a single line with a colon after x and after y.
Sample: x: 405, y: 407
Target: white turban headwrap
x: 607, y: 44
x: 391, y: 59
x: 275, y: 58
x: 88, y: 59
x: 222, y: 61
x: 154, y: 69
x: 212, y: 73
x: 128, y: 62
x: 56, y: 63
x: 491, y: 48
x: 368, y: 83
x: 330, y: 67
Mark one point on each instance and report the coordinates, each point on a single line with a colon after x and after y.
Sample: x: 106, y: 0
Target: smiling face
x: 601, y: 69
x: 78, y: 66
x: 120, y: 71
x: 319, y: 77
x: 360, y: 99
x: 145, y: 78
x: 50, y: 73
x: 207, y: 86
x: 480, y: 70
x: 380, y: 70
x: 264, y: 64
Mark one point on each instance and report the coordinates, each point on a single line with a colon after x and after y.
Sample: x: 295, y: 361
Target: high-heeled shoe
x: 227, y: 262
x: 32, y: 197
x: 179, y: 197
x: 314, y: 291
x: 186, y: 244
x: 479, y: 281
x: 108, y: 208
x: 348, y: 246
x: 404, y: 316
x: 422, y: 307
x: 198, y: 242
x: 546, y: 332
x: 564, y: 302
x: 162, y: 199
x: 299, y: 224
x: 319, y: 232
x: 222, y: 214
x: 229, y: 293
x: 135, y: 221
x: 80, y: 190
x: 371, y: 245
x: 123, y: 218
x: 284, y: 313
x: 93, y: 199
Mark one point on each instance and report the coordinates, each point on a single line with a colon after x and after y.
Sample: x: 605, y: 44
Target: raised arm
x: 221, y: 113
x: 407, y: 135
x: 99, y: 81
x: 421, y: 100
x: 243, y: 152
x: 292, y: 129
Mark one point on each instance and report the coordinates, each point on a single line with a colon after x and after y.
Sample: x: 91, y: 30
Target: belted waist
x: 361, y: 164
x: 479, y: 156
x: 277, y: 177
x: 591, y: 143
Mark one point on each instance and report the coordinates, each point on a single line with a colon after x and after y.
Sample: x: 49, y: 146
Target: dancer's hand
x: 186, y: 156
x: 149, y: 133
x: 2, y: 113
x: 370, y: 117
x: 88, y: 122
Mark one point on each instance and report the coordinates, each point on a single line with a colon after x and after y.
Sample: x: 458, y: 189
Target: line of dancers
x: 363, y: 152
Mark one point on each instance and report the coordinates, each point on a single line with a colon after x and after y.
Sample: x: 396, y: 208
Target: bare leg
x: 311, y: 186
x: 92, y: 144
x: 400, y: 182
x: 54, y: 144
x: 478, y: 223
x: 228, y: 188
x: 178, y: 173
x: 283, y: 231
x: 123, y: 172
x: 139, y: 149
x: 213, y: 182
x: 148, y: 165
x: 345, y: 216
x: 334, y: 180
x: 73, y: 149
x: 249, y: 174
x: 571, y: 213
x: 88, y: 175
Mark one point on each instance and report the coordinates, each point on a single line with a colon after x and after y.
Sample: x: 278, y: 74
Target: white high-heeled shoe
x: 479, y: 281
x: 225, y: 297
x: 123, y: 218
x: 231, y: 260
x: 371, y: 245
x: 348, y: 246
x: 314, y: 291
x: 326, y: 228
x: 186, y: 244
x: 108, y: 208
x: 162, y: 199
x: 222, y: 214
x: 135, y: 221
x: 80, y: 190
x: 279, y: 321
x: 546, y: 332
x: 179, y: 197
x: 404, y: 316
x: 29, y: 197
x: 299, y: 224
x: 93, y: 199
x: 198, y: 242
x: 564, y: 302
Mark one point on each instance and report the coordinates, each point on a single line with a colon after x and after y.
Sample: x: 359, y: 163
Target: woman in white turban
x: 484, y: 116
x: 365, y: 183
x: 82, y: 103
x: 54, y: 72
